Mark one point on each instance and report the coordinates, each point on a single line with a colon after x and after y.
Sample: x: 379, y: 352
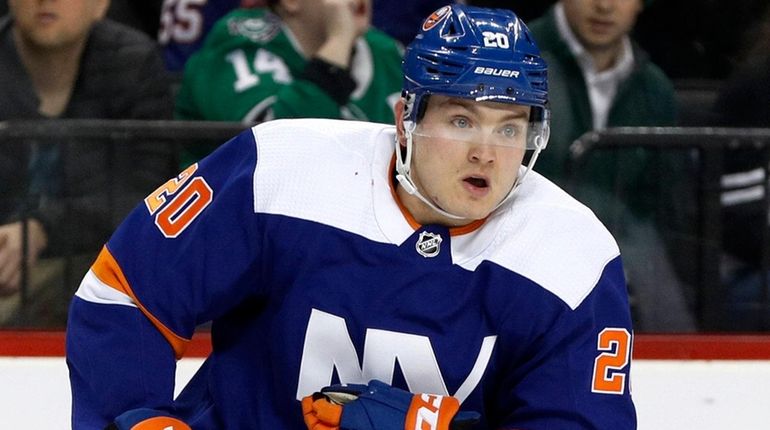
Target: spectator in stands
x: 184, y: 25
x: 63, y: 60
x: 13, y: 160
x: 744, y: 101
x: 300, y: 58
x: 598, y: 75
x: 141, y: 15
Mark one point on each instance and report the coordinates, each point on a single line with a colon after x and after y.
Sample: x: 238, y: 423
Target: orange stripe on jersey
x: 467, y: 228
x: 108, y: 271
x: 454, y: 231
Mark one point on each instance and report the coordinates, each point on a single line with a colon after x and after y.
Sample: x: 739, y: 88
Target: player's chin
x: 474, y: 210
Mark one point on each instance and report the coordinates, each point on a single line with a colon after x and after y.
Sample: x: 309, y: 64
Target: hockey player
x: 443, y: 281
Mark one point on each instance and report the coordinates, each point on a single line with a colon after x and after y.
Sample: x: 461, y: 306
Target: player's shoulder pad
x: 311, y: 135
x: 554, y: 240
x: 317, y: 169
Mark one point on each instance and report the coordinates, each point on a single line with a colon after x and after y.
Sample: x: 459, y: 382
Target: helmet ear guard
x: 478, y: 54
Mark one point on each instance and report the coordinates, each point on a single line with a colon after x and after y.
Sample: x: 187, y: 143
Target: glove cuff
x: 147, y: 419
x: 431, y: 411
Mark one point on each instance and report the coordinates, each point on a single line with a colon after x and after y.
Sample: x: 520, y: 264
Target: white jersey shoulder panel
x: 321, y: 170
x: 552, y: 239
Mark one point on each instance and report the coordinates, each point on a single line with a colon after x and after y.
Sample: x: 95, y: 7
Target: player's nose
x: 482, y: 151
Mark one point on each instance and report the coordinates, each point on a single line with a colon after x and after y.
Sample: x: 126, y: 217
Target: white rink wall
x: 669, y: 394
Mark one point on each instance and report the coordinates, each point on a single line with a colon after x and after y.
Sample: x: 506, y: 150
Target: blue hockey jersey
x: 291, y: 241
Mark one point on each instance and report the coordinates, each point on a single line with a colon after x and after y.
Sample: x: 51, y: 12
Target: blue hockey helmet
x: 474, y: 53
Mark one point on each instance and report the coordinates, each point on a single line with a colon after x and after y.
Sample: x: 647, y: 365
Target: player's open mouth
x: 477, y: 182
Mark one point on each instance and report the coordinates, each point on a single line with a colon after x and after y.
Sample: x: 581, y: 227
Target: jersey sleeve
x: 182, y: 257
x: 575, y: 373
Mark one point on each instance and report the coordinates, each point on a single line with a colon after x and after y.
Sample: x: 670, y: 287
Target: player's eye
x: 509, y: 131
x: 461, y: 122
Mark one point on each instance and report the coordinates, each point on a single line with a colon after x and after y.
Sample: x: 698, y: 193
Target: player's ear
x: 399, y: 114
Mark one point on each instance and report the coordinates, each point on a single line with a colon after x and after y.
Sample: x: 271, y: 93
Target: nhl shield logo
x: 428, y: 244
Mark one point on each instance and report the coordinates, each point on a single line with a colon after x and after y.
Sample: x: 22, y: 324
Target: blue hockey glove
x: 378, y: 406
x: 146, y: 419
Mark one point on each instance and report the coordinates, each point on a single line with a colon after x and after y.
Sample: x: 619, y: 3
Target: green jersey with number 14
x: 249, y: 70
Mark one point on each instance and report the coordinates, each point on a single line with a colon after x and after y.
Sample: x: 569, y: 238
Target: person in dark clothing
x: 62, y: 60
x: 744, y: 101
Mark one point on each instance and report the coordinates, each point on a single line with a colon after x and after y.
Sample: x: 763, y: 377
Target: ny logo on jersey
x: 328, y: 346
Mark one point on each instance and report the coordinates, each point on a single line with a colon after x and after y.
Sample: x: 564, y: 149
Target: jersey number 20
x: 187, y: 197
x: 609, y: 374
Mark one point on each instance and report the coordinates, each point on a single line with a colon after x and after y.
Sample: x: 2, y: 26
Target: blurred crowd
x: 612, y: 63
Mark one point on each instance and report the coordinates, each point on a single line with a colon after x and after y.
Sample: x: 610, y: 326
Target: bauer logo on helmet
x: 493, y: 71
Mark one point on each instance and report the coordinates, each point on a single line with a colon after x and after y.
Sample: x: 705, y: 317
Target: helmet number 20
x: 495, y: 40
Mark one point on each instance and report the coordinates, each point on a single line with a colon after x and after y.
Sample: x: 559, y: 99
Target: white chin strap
x: 404, y: 177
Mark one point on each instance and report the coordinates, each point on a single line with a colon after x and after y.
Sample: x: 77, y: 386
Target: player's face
x: 601, y: 24
x: 467, y: 176
x: 54, y: 24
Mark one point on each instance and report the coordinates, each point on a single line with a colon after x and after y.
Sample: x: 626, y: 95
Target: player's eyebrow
x: 473, y: 106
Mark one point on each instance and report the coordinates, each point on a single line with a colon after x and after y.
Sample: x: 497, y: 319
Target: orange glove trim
x: 161, y: 423
x: 431, y: 412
